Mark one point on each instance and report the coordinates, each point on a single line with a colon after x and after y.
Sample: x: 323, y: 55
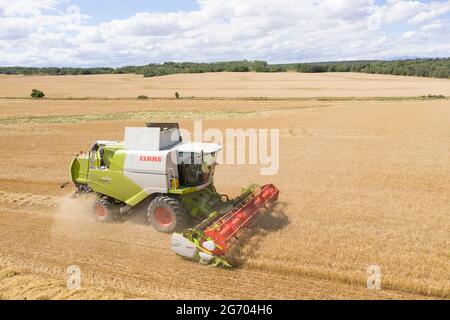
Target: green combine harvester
x: 155, y: 171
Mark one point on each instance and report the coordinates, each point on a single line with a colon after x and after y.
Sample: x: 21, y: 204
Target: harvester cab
x: 153, y: 169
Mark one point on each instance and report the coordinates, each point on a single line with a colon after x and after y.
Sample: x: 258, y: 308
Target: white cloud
x: 432, y: 26
x: 25, y: 8
x: 433, y: 10
x: 409, y: 34
x: 52, y: 32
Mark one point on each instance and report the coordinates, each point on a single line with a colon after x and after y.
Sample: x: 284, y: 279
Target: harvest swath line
x: 349, y: 279
x: 138, y: 115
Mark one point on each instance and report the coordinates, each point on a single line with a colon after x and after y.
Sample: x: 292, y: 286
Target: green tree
x: 37, y: 94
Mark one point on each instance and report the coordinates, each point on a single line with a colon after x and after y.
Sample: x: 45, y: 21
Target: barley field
x: 363, y: 182
x: 225, y: 85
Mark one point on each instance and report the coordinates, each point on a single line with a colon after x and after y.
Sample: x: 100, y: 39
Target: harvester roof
x: 198, y: 147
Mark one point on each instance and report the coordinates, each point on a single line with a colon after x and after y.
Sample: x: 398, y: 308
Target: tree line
x: 435, y: 68
x: 56, y: 71
x: 166, y: 68
x: 151, y: 70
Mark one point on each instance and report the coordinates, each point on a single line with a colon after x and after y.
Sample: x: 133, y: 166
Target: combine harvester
x: 155, y: 171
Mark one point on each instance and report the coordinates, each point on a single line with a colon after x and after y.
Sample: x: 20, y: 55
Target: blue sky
x: 117, y: 32
x: 106, y: 10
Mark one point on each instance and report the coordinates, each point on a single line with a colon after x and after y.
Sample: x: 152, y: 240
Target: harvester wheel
x: 166, y: 214
x: 104, y: 210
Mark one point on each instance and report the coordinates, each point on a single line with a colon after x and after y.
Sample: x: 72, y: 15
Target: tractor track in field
x: 27, y: 200
x: 43, y: 235
x: 159, y: 114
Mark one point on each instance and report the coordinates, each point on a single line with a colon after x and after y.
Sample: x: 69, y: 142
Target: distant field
x: 226, y: 85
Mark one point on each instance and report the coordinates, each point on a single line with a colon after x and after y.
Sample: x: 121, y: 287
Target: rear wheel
x: 166, y: 214
x: 104, y: 210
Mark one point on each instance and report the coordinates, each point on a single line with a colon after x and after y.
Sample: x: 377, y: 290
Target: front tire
x: 167, y: 214
x: 104, y: 210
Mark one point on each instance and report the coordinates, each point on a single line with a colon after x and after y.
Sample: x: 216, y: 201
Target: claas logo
x: 150, y: 158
